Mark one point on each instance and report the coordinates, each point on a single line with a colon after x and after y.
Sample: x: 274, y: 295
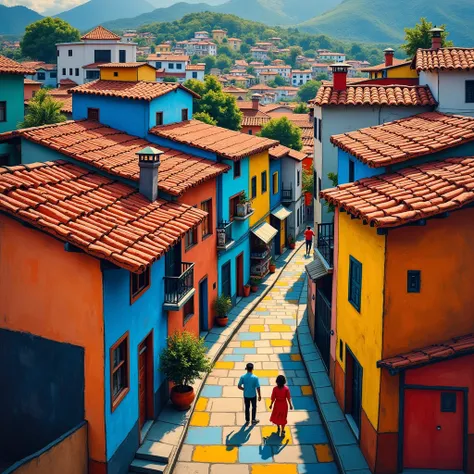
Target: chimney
x: 256, y: 101
x: 149, y: 162
x: 339, y: 76
x: 436, y: 40
x: 389, y: 52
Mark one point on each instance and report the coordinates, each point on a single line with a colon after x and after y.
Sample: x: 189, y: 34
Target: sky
x: 44, y: 6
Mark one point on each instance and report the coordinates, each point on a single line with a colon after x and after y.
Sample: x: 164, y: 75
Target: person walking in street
x: 281, y: 398
x: 308, y: 235
x: 250, y: 385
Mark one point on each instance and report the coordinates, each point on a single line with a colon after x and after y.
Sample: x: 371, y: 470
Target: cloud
x: 44, y: 6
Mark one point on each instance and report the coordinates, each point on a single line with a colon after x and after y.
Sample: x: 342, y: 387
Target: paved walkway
x: 217, y: 441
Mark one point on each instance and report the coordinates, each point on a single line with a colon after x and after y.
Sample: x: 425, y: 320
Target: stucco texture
x: 261, y: 203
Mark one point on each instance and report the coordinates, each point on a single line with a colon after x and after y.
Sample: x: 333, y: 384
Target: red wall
x: 255, y: 130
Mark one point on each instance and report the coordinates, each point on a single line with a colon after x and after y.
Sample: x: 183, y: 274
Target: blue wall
x: 12, y: 92
x: 275, y: 199
x: 171, y: 105
x: 181, y: 147
x: 361, y: 170
x: 223, y: 257
x: 144, y: 315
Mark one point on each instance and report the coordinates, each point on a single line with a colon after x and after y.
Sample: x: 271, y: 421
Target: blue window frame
x: 413, y: 281
x: 355, y: 282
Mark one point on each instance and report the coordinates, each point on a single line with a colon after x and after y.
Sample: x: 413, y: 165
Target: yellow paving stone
x: 281, y: 283
x: 267, y: 432
x: 280, y: 343
x: 268, y: 298
x: 260, y: 308
x: 266, y: 373
x: 306, y: 390
x: 274, y: 469
x: 224, y: 365
x: 216, y: 454
x: 247, y: 344
x: 295, y: 357
x: 280, y: 328
x: 257, y: 328
x: 201, y: 404
x: 200, y: 419
x: 323, y: 453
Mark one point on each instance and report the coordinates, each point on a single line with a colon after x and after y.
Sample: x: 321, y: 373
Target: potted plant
x: 246, y: 290
x: 183, y: 361
x: 222, y: 306
x: 254, y: 285
x: 291, y: 242
x: 272, y: 266
x: 242, y: 206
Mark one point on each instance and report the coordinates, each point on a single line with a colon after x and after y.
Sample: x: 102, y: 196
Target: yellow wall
x: 362, y: 332
x: 219, y: 37
x: 402, y: 72
x: 282, y: 234
x: 261, y: 204
x: 163, y: 48
x: 129, y: 74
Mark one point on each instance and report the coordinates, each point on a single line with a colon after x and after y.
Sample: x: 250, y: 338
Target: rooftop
x: 390, y: 95
x: 226, y: 143
x: 115, y: 152
x: 282, y: 151
x: 167, y: 57
x: 8, y: 66
x: 106, y: 219
x: 411, y: 194
x: 121, y: 65
x: 100, y: 33
x: 451, y: 59
x: 140, y: 90
x: 381, y: 67
x: 405, y: 139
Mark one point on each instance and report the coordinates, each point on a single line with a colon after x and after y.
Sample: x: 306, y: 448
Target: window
x: 57, y: 53
x: 275, y: 183
x: 351, y: 171
x: 188, y: 310
x: 448, y: 402
x: 316, y: 128
x: 122, y: 56
x: 254, y: 187
x: 53, y: 75
x: 206, y: 206
x: 93, y: 114
x: 237, y: 169
x: 41, y: 76
x: 91, y: 75
x: 70, y: 71
x: 319, y: 184
x: 179, y: 66
x: 470, y: 92
x: 355, y: 282
x: 139, y: 284
x: 171, y: 66
x: 77, y: 71
x: 190, y: 238
x: 115, y: 74
x: 250, y: 132
x: 233, y: 201
x: 3, y: 111
x: 413, y: 281
x: 264, y: 182
x: 4, y: 160
x: 298, y: 177
x: 184, y: 114
x: 341, y: 350
x: 158, y: 64
x: 159, y: 118
x: 195, y: 75
x: 64, y: 71
x: 297, y: 218
x: 320, y: 130
x: 119, y: 376
x: 315, y: 185
x: 102, y: 56
x: 69, y: 52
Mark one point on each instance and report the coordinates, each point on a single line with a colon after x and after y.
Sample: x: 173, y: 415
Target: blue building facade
x: 275, y: 183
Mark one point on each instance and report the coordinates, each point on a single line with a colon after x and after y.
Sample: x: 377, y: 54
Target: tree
x: 41, y: 37
x: 279, y: 80
x: 308, y: 180
x: 295, y: 51
x: 210, y: 62
x: 170, y: 79
x: 42, y: 110
x: 284, y: 131
x: 301, y: 108
x: 309, y: 90
x: 244, y: 48
x: 420, y: 37
x: 223, y: 62
x: 204, y: 117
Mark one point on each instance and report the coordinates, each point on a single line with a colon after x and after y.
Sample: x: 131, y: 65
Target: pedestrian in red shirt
x: 308, y: 235
x: 281, y: 398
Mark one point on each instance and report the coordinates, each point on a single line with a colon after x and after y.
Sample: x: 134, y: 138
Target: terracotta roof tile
x: 405, y: 139
x: 226, y: 143
x: 100, y: 33
x: 59, y: 95
x: 282, y: 151
x: 8, y: 66
x: 122, y: 65
x: 375, y: 95
x: 93, y: 65
x: 411, y: 194
x: 67, y: 83
x: 382, y: 67
x: 460, y: 59
x: 455, y: 347
x: 104, y: 218
x: 140, y: 90
x: 113, y: 151
x: 168, y: 57
x: 31, y: 82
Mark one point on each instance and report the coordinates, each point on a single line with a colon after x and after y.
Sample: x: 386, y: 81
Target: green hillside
x: 384, y: 21
x: 13, y: 20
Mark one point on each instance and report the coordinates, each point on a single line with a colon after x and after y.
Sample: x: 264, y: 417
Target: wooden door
x: 226, y: 283
x: 203, y: 306
x: 239, y: 262
x: 142, y: 382
x: 353, y: 397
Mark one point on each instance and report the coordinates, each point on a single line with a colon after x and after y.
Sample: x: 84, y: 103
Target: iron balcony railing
x: 224, y: 234
x: 287, y: 194
x: 176, y: 287
x: 326, y: 242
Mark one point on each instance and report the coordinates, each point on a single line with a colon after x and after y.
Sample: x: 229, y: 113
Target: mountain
x: 13, y: 20
x: 169, y: 3
x: 96, y: 12
x: 384, y: 20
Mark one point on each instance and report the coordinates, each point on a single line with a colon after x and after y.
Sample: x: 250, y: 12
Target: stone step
x: 155, y: 451
x: 148, y: 467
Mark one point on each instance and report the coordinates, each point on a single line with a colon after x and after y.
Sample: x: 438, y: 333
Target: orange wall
x: 255, y: 130
x: 204, y: 256
x: 57, y: 295
x: 29, y: 89
x: 442, y: 250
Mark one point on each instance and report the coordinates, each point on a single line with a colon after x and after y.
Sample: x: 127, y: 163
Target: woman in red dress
x: 281, y: 398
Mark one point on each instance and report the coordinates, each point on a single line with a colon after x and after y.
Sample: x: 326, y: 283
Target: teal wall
x: 11, y: 91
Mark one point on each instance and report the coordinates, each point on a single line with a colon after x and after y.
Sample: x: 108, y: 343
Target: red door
x: 433, y: 435
x: 142, y: 383
x: 240, y: 274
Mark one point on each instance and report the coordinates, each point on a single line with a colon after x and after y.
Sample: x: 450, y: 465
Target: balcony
x: 243, y: 211
x: 179, y: 289
x: 286, y: 195
x: 224, y: 235
x: 326, y: 243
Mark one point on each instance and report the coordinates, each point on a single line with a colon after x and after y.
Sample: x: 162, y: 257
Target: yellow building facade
x: 128, y: 72
x: 402, y: 71
x: 219, y: 35
x: 259, y: 186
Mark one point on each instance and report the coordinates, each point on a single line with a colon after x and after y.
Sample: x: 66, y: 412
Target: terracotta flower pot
x: 272, y: 268
x: 292, y: 246
x: 182, y: 397
x: 246, y: 290
x: 254, y: 289
x: 222, y: 321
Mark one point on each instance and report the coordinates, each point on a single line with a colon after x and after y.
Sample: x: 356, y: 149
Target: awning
x: 265, y: 232
x: 316, y: 269
x: 281, y: 212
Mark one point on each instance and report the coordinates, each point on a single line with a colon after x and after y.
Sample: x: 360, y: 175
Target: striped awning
x: 281, y: 212
x: 265, y: 232
x: 316, y: 269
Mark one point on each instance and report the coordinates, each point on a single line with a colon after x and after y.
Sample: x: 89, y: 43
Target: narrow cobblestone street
x: 218, y: 442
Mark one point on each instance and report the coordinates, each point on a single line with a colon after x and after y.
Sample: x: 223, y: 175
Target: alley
x: 218, y: 442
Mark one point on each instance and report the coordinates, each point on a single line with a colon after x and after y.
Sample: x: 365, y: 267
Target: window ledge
x: 118, y: 399
x: 244, y: 218
x: 352, y: 424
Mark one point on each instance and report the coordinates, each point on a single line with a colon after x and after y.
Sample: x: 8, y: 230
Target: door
x: 173, y: 261
x: 323, y: 326
x: 142, y: 382
x: 239, y: 263
x: 226, y: 287
x: 354, y: 376
x: 203, y: 306
x: 276, y: 223
x: 433, y: 429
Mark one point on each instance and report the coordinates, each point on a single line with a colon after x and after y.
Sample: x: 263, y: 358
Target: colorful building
x: 219, y: 35
x: 45, y: 74
x: 127, y: 72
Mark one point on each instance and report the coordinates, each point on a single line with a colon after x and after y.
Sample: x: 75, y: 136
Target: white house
x: 260, y: 54
x: 46, y: 74
x: 301, y: 77
x: 195, y: 71
x: 201, y: 48
x: 201, y: 35
x: 169, y: 65
x: 334, y: 57
x: 78, y: 62
x: 282, y: 70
